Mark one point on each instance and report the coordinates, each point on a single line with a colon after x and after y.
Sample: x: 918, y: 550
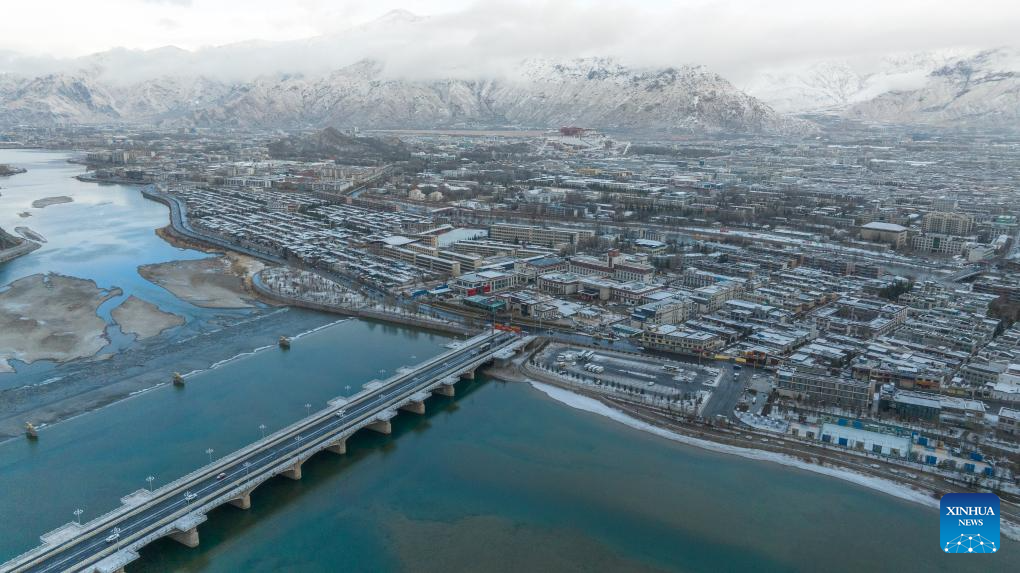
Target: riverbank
x: 773, y: 449
x: 333, y: 303
x: 175, y: 234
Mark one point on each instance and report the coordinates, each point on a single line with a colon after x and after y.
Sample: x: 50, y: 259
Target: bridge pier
x: 187, y: 538
x: 294, y: 472
x: 338, y: 448
x: 242, y: 502
x: 381, y: 426
x: 469, y: 375
x: 444, y: 390
x: 415, y: 407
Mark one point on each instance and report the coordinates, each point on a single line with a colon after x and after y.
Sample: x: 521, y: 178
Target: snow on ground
x: 763, y: 423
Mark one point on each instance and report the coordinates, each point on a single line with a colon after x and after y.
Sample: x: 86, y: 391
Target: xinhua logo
x: 969, y: 523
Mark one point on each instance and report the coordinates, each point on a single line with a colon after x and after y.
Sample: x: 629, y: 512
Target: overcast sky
x: 729, y: 36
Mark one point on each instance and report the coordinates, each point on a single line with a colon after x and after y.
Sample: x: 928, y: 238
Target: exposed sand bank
x: 208, y: 283
x: 30, y: 234
x: 244, y: 266
x: 143, y: 319
x: 47, y: 201
x: 51, y: 317
x: 8, y: 170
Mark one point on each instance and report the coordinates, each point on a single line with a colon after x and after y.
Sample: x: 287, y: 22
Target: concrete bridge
x: 108, y: 543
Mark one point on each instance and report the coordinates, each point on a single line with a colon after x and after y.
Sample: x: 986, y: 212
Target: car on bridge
x: 113, y: 536
x: 221, y: 476
x: 190, y: 496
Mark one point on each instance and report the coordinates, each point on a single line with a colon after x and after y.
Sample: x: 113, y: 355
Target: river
x: 500, y: 478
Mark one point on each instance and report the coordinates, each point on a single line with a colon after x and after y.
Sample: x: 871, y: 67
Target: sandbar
x: 52, y: 317
x: 47, y: 201
x: 207, y: 283
x: 143, y: 319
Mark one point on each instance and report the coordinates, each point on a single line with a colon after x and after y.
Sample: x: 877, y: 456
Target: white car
x: 190, y: 496
x: 113, y: 537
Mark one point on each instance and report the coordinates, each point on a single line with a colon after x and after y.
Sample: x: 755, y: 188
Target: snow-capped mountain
x: 835, y: 85
x: 54, y: 98
x: 980, y: 90
x: 948, y: 88
x: 399, y: 71
x: 591, y: 92
x: 594, y: 92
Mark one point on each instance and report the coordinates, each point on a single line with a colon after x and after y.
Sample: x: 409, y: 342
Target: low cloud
x: 736, y: 38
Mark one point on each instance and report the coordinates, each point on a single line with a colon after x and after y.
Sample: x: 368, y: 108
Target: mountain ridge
x: 947, y: 89
x: 594, y: 92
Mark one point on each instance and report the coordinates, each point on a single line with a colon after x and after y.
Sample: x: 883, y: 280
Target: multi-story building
x: 552, y: 237
x: 671, y: 310
x: 860, y: 317
x: 558, y: 283
x: 485, y: 282
x: 938, y: 244
x: 1009, y: 420
x: 532, y: 267
x: 810, y: 386
x: 889, y: 233
x: 680, y: 340
x: 614, y: 265
x: 948, y: 223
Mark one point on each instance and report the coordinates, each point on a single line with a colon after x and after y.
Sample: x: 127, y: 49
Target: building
x: 856, y: 437
x: 485, y: 282
x: 812, y: 387
x: 860, y: 317
x: 558, y: 284
x: 1009, y: 421
x: 889, y: 233
x: 681, y: 340
x: 938, y: 244
x: 929, y: 407
x: 613, y: 265
x: 671, y: 310
x: 948, y: 223
x: 532, y: 267
x: 551, y: 237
